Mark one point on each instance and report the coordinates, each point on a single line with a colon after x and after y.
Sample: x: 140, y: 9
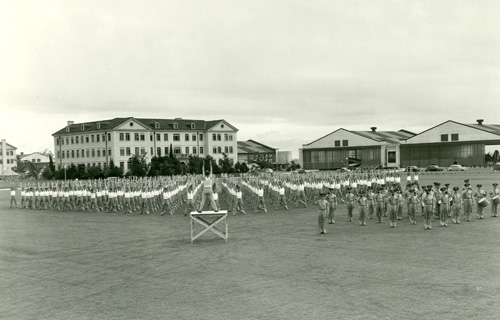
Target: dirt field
x: 274, y: 266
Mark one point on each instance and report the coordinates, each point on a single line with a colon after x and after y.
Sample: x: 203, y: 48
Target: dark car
x: 434, y: 167
x: 412, y: 169
x: 496, y: 166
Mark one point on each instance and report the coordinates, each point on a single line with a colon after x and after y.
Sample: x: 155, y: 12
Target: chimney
x: 70, y: 123
x: 480, y: 121
x: 373, y: 129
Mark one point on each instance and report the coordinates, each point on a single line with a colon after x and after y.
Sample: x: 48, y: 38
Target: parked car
x: 434, y: 167
x: 496, y: 166
x: 456, y: 167
x: 412, y: 169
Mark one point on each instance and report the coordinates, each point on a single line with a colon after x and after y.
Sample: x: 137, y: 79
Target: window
x: 67, y: 140
x: 219, y: 149
x: 109, y: 136
x: 201, y: 150
x: 214, y: 150
x: 93, y: 153
x: 77, y: 139
x: 143, y: 151
x: 98, y: 125
x: 122, y: 152
x: 165, y: 137
x: 454, y: 137
x: 92, y: 138
x: 230, y: 149
x: 104, y: 138
x: 193, y: 137
x: 127, y: 136
x: 177, y: 150
x: 87, y: 153
x: 337, y: 143
x: 230, y: 137
x: 109, y: 152
x: 187, y: 150
x: 157, y: 125
x: 391, y: 156
x: 177, y: 137
x: 176, y: 126
x: 81, y: 139
x: 98, y: 152
x: 158, y: 151
x: 86, y: 139
x: 226, y: 149
x: 158, y: 137
x: 200, y: 136
x: 226, y: 137
x: 345, y: 143
x: 58, y: 154
x: 131, y: 124
x: 186, y: 137
x: 150, y: 137
x: 72, y: 153
x: 444, y: 137
x: 122, y: 165
x: 193, y: 126
x: 98, y: 137
x: 166, y: 150
x: 143, y: 137
x: 136, y: 150
x: 72, y: 140
x: 194, y: 150
x: 151, y: 150
x: 214, y: 137
x: 83, y: 153
x: 127, y: 151
x: 219, y: 137
x: 136, y: 136
x: 122, y: 135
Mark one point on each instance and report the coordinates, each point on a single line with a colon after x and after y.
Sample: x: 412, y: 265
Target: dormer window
x: 83, y: 127
x: 157, y: 125
x: 98, y: 125
x: 176, y: 125
x: 193, y: 126
x: 67, y: 129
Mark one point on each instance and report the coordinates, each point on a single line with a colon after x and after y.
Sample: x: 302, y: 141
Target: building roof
x: 9, y: 146
x: 165, y: 124
x: 380, y: 136
x: 386, y: 136
x: 33, y: 153
x: 252, y: 146
x: 9, y: 172
x: 490, y: 128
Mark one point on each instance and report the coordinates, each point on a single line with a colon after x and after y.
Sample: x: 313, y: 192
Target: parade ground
x: 275, y: 265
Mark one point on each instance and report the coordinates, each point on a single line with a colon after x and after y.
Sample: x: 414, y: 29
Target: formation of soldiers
x: 376, y: 194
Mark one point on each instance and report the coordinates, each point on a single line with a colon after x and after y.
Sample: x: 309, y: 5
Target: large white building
x: 97, y: 143
x: 7, y: 158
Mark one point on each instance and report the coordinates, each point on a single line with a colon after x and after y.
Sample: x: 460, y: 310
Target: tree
x: 94, y: 172
x: 137, y: 165
x: 52, y: 167
x: 237, y: 166
x: 244, y: 168
x: 194, y: 164
x: 293, y: 166
x: 226, y: 166
x: 47, y: 173
x: 263, y: 160
x: 113, y: 171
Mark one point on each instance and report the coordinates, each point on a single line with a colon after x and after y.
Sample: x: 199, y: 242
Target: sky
x: 284, y: 72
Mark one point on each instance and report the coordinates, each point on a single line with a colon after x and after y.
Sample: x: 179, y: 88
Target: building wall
x: 113, y: 144
x: 7, y: 156
x: 442, y: 154
x: 334, y: 158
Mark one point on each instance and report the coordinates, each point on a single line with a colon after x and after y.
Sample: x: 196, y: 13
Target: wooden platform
x: 209, y: 220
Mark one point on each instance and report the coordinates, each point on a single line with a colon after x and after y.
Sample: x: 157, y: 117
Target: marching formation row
x: 376, y: 194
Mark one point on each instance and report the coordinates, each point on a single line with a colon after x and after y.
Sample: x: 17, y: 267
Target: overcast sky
x: 283, y: 72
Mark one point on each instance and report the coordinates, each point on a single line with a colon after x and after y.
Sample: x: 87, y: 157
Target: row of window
x: 345, y: 143
x: 82, y: 139
x: 10, y: 161
x: 89, y: 153
x: 127, y: 136
x: 9, y: 152
x: 127, y: 151
x: 454, y: 137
